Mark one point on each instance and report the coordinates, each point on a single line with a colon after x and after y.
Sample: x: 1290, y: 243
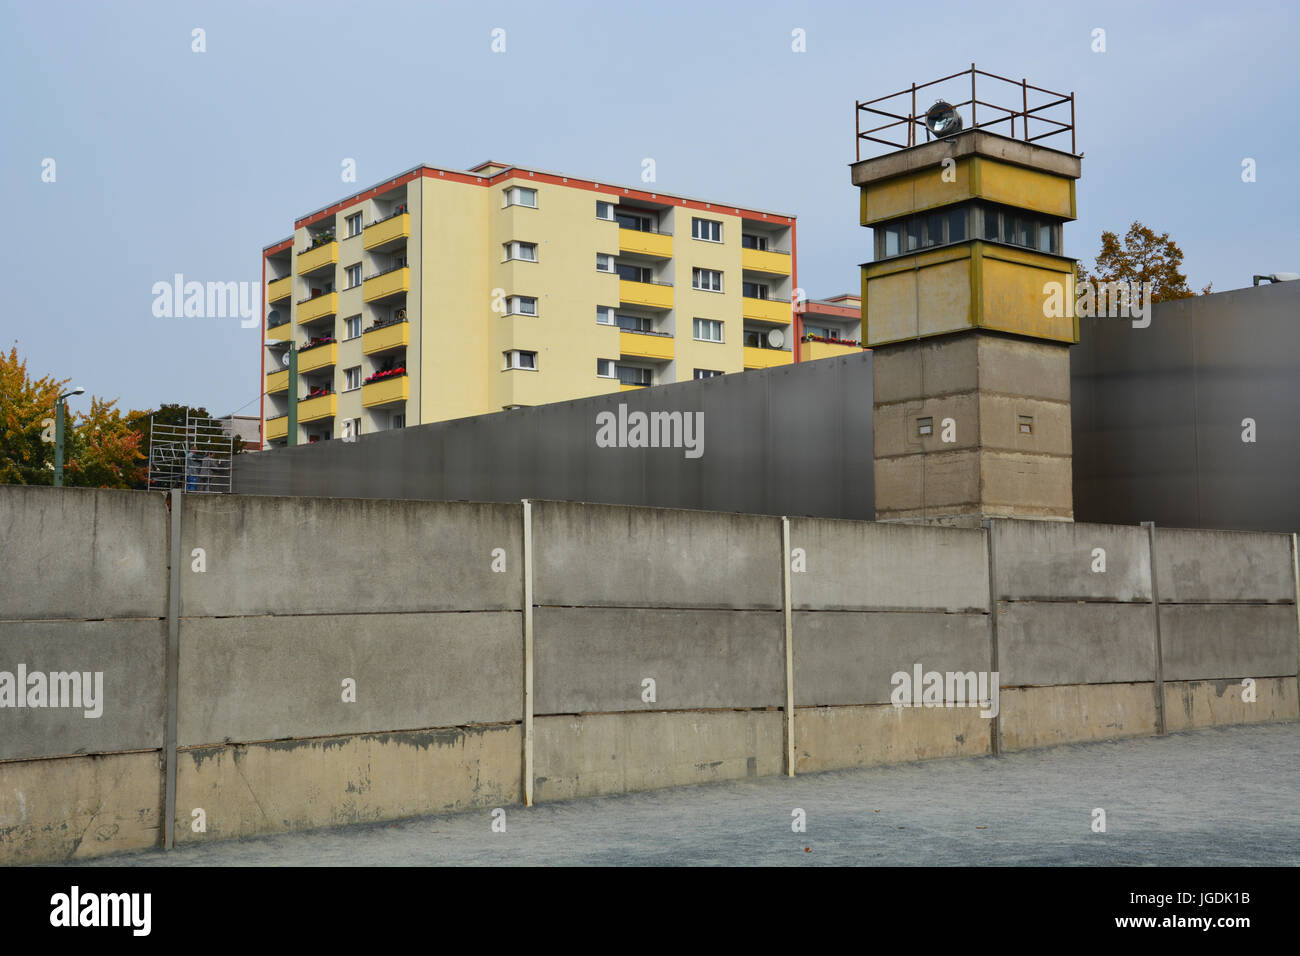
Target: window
x: 521, y: 196
x: 754, y: 290
x: 352, y: 327
x: 354, y: 225
x: 1025, y: 424
x: 706, y: 373
x: 521, y: 305
x: 634, y: 273
x: 925, y: 426
x: 913, y: 233
x: 354, y: 276
x: 753, y: 242
x: 632, y: 375
x: 709, y: 280
x: 936, y: 228
x: 604, y: 315
x: 956, y: 224
x: 396, y: 420
x: 822, y: 331
x: 352, y: 378
x: 605, y: 368
x: 1019, y: 228
x: 627, y: 220
x: 604, y: 262
x: 527, y: 251
x: 706, y: 229
x: 708, y: 330
x: 604, y: 210
x: 351, y: 429
x: 893, y: 239
x: 635, y: 323
x: 519, y: 359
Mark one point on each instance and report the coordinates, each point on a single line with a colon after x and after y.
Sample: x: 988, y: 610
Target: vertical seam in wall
x: 995, y: 729
x: 173, y: 669
x: 1155, y: 610
x: 1295, y: 573
x: 528, y: 652
x: 786, y: 603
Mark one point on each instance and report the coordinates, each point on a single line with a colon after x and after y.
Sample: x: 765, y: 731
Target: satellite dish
x: 942, y: 119
x: 776, y: 338
x: 284, y: 359
x: 273, y: 317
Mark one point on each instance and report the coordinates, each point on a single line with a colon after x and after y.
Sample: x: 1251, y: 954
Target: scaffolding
x: 194, y: 457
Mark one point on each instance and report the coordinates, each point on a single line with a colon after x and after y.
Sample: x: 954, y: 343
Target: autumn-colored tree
x: 104, y: 450
x: 26, y: 417
x: 1144, y: 257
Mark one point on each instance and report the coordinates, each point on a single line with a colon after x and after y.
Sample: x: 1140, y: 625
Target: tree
x: 105, y: 450
x: 1144, y: 257
x: 26, y: 405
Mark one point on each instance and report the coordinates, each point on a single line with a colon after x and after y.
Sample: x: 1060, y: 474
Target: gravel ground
x: 1221, y: 796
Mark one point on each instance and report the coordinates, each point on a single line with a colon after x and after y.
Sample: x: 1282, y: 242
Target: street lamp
x: 58, y: 434
x: 291, y: 434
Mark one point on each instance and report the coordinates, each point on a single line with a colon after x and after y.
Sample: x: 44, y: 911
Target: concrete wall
x: 286, y: 608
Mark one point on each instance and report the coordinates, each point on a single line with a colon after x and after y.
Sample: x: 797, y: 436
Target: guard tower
x: 968, y: 302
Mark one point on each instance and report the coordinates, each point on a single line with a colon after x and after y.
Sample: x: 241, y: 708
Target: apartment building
x: 441, y: 294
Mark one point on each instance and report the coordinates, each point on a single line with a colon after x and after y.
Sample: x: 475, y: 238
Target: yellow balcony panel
x: 321, y: 356
x: 322, y: 406
x: 652, y: 295
x: 766, y: 358
x: 387, y: 231
x: 277, y: 382
x: 316, y: 259
x: 773, y: 311
x: 646, y: 346
x: 278, y: 289
x: 763, y: 260
x: 812, y: 351
x: 396, y: 335
x: 309, y: 310
x: 277, y: 428
x: 387, y: 283
x: 385, y: 391
x: 645, y: 243
x: 279, y: 333
x: 630, y: 388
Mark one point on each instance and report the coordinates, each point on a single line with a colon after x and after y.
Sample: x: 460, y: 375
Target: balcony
x: 279, y: 332
x: 318, y: 356
x: 277, y: 428
x: 278, y: 289
x: 811, y: 351
x: 766, y: 358
x: 657, y: 346
x: 766, y: 261
x: 386, y: 391
x: 322, y: 406
x: 317, y: 307
x: 385, y: 338
x: 277, y: 381
x: 657, y: 244
x: 650, y: 295
x: 630, y: 388
x: 382, y: 285
x: 772, y: 311
x: 313, y: 260
x: 387, y: 232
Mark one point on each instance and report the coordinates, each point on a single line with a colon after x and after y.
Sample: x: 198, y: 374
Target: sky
x: 167, y: 160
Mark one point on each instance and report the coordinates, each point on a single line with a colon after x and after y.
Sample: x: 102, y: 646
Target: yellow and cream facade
x: 442, y: 294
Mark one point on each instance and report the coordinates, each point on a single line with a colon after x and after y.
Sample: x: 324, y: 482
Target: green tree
x: 1143, y: 257
x: 26, y: 409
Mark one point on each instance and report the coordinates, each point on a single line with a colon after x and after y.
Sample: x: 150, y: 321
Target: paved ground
x: 1203, y: 798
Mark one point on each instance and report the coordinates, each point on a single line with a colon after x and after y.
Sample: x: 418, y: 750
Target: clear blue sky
x: 173, y: 161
